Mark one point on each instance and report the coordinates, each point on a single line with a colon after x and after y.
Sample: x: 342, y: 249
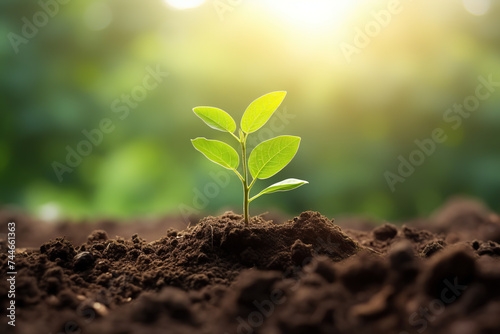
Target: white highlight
x: 184, y: 4
x: 49, y: 212
x: 477, y: 7
x: 313, y: 12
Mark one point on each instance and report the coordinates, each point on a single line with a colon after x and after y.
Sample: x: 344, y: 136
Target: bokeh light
x: 98, y: 16
x: 477, y: 7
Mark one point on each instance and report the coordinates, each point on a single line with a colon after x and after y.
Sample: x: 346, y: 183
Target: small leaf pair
x: 266, y: 159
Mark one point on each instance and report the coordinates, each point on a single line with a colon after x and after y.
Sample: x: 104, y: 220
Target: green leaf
x: 218, y: 152
x: 271, y: 156
x: 260, y: 110
x: 284, y: 185
x: 216, y: 118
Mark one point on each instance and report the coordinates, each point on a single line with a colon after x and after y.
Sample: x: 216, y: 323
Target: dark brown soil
x: 307, y: 275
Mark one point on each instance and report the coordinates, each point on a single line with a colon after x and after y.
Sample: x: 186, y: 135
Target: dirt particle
x: 300, y: 252
x: 60, y: 249
x: 67, y: 298
x: 432, y: 248
x: 52, y: 285
x: 375, y: 307
x: 143, y: 259
x: 454, y: 267
x: 385, y: 232
x: 97, y: 236
x: 170, y: 302
x: 104, y: 279
x: 199, y: 281
x: 363, y: 272
x: 148, y: 249
x: 249, y: 256
x: 83, y: 261
x: 401, y: 254
x: 415, y: 234
x: 102, y: 265
x: 115, y: 250
x: 487, y: 248
x: 251, y: 286
x: 56, y: 272
x: 202, y: 258
x: 323, y: 267
x: 134, y: 253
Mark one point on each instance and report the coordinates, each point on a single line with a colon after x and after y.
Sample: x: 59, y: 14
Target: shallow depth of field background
x: 355, y: 118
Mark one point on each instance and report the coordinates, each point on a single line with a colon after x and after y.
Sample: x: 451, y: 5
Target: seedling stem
x: 266, y: 159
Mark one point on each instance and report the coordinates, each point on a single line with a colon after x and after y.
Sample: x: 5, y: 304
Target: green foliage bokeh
x: 355, y: 118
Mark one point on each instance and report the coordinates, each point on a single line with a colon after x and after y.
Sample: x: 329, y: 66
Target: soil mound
x: 302, y: 276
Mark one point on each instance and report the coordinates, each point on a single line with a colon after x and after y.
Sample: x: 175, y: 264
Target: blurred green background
x: 66, y: 66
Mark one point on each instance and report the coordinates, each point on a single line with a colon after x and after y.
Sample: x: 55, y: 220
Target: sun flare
x: 313, y: 12
x: 184, y: 4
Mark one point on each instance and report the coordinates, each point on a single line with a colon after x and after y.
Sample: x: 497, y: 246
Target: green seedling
x: 266, y: 159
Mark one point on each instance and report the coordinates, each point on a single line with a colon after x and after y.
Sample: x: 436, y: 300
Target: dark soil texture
x: 305, y: 275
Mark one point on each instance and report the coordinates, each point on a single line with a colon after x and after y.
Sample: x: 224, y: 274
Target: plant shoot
x: 265, y: 160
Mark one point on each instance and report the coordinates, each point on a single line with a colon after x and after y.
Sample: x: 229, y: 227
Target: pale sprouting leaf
x: 216, y: 118
x: 271, y: 156
x: 218, y: 152
x: 260, y: 110
x: 284, y: 185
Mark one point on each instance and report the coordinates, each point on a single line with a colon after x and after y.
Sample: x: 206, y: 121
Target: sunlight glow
x: 313, y: 12
x: 477, y: 7
x: 49, y: 212
x: 184, y: 4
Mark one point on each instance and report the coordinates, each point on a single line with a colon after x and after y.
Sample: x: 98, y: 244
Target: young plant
x: 266, y: 159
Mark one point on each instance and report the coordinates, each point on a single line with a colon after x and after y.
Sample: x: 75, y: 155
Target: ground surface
x: 306, y: 275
